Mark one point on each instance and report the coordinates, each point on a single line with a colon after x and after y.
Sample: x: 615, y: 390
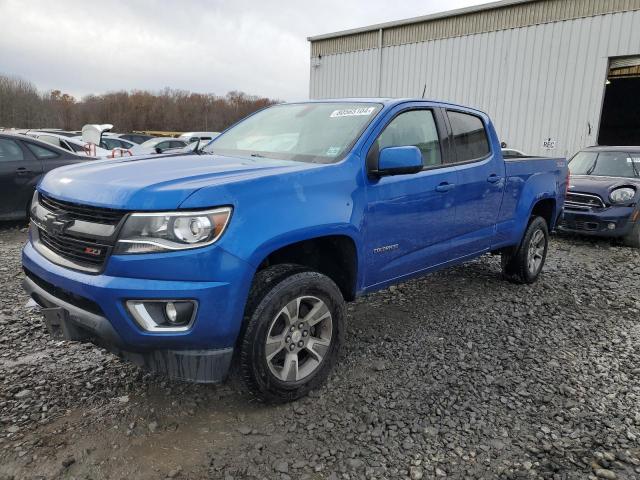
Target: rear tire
x: 525, y: 264
x: 294, y: 326
x: 632, y: 239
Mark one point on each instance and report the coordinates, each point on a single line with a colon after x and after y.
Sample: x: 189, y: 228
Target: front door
x: 409, y: 217
x: 19, y: 172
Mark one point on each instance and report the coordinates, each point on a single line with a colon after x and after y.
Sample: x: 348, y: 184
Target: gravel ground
x: 459, y: 375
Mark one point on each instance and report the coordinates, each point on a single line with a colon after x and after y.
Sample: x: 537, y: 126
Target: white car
x: 68, y: 143
x: 157, y: 145
x: 109, y: 142
x: 204, y: 137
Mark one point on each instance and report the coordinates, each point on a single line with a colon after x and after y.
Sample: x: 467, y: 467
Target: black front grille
x: 583, y: 200
x: 64, y: 295
x: 580, y: 225
x: 82, y: 251
x: 70, y: 231
x: 82, y: 212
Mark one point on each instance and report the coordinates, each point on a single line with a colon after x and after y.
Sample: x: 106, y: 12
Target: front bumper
x: 598, y: 223
x: 92, y: 308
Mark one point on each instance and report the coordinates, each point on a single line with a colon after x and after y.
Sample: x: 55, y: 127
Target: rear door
x: 481, y: 180
x: 409, y: 217
x: 19, y: 173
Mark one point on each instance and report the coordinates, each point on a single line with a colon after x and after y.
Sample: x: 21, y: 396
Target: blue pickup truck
x: 244, y: 255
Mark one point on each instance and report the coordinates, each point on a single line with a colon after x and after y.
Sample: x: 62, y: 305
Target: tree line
x: 23, y: 106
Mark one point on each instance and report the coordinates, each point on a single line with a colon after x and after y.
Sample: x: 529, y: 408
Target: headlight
x: 34, y: 203
x: 622, y: 195
x: 167, y: 231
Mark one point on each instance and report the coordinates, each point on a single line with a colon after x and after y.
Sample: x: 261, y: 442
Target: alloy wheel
x: 298, y: 339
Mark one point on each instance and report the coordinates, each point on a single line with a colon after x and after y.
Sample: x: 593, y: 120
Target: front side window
x: 308, y: 132
x: 41, y: 153
x: 414, y: 128
x: 10, y: 151
x: 469, y: 136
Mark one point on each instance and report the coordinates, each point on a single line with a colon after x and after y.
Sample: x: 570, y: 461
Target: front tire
x: 525, y: 263
x: 294, y: 326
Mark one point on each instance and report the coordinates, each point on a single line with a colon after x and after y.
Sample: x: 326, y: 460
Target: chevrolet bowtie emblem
x: 57, y: 223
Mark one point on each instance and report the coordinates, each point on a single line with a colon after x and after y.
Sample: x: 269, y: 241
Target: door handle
x: 493, y: 178
x: 23, y: 171
x: 445, y: 187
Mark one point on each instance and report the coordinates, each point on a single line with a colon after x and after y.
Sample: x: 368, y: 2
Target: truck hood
x: 601, y: 186
x: 155, y: 183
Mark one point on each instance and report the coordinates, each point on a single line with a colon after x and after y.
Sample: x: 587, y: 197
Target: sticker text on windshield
x: 352, y: 112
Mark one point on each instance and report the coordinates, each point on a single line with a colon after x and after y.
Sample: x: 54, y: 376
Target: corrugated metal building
x: 553, y: 74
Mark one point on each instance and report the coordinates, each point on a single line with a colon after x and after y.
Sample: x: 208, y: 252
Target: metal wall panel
x: 358, y: 75
x: 536, y: 82
x: 492, y: 18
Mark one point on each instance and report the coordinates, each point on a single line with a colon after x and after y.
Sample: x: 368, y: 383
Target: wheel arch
x: 335, y: 256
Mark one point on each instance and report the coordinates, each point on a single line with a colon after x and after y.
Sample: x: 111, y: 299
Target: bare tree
x: 22, y: 106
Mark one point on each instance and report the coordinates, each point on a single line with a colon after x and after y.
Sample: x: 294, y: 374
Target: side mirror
x: 158, y: 150
x: 399, y: 161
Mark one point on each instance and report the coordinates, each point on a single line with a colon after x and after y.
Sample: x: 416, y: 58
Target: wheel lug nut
x: 305, y: 333
x: 292, y: 328
x: 300, y: 326
x: 288, y: 339
x: 300, y: 343
x: 292, y: 346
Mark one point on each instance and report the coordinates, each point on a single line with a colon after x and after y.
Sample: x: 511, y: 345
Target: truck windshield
x: 307, y: 132
x: 606, y: 164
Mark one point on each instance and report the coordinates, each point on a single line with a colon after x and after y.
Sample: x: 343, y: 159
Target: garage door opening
x: 620, y: 121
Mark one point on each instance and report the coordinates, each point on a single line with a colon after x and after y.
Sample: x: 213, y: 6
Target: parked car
x: 133, y: 137
x: 204, y: 137
x: 68, y: 143
x: 603, y: 198
x: 157, y: 145
x: 64, y: 133
x: 23, y: 161
x: 109, y: 142
x: 250, y: 253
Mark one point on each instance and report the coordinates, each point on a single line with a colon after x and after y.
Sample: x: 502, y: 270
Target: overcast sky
x: 210, y: 46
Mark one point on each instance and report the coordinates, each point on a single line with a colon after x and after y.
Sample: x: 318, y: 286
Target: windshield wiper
x: 633, y: 165
x: 593, y: 167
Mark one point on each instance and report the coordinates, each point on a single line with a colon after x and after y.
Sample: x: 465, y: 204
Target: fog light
x: 163, y: 315
x: 172, y: 313
x: 611, y: 226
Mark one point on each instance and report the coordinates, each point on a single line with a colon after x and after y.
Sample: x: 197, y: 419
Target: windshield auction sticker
x: 352, y: 112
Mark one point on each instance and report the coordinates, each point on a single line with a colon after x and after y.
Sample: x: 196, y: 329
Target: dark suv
x: 603, y: 194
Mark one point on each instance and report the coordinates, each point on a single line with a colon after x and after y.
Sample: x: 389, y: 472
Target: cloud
x: 216, y: 46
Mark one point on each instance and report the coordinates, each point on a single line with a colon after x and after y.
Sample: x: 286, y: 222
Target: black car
x: 23, y: 160
x: 604, y: 194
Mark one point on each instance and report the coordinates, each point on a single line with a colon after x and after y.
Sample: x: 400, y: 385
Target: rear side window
x: 10, y: 151
x: 41, y: 152
x: 469, y: 136
x: 414, y: 128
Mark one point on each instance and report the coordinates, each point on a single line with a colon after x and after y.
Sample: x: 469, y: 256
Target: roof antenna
x: 424, y: 90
